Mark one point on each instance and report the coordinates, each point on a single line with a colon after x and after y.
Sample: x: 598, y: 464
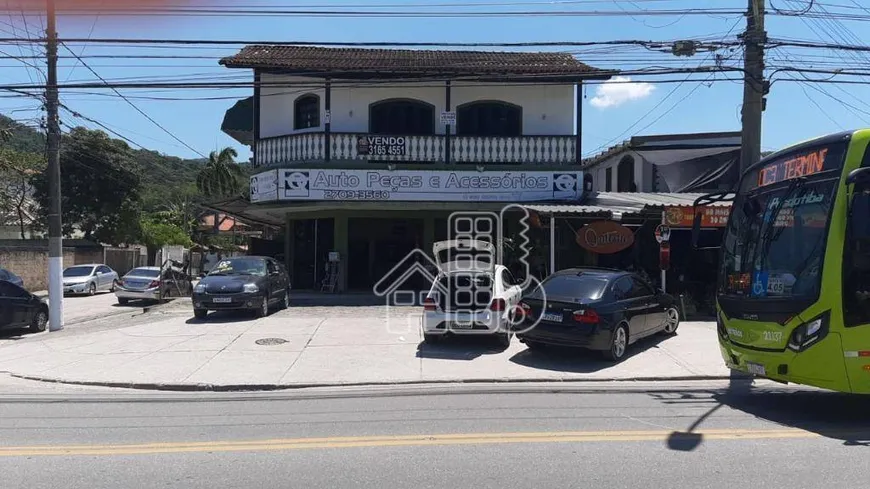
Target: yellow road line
x: 396, y: 441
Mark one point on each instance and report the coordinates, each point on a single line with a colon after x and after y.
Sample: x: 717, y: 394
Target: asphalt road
x: 557, y: 435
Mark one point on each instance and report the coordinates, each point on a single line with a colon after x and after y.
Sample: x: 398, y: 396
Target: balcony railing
x: 311, y: 147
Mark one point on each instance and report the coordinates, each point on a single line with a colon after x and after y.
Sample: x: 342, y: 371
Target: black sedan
x: 21, y: 309
x: 596, y: 309
x: 243, y: 282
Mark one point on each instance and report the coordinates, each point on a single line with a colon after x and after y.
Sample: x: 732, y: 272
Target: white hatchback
x: 471, y: 294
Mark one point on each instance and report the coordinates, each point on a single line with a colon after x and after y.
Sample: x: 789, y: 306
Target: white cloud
x: 620, y: 90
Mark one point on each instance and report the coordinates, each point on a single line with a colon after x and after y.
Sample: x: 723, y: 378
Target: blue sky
x: 795, y: 111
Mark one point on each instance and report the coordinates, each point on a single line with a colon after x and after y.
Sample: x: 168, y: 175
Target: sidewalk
x: 308, y: 346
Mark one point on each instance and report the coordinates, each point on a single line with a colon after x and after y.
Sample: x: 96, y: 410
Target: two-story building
x: 366, y: 152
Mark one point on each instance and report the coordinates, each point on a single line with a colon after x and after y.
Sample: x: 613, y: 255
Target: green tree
x: 100, y: 185
x: 156, y: 234
x: 221, y: 176
x: 181, y: 211
x: 17, y: 206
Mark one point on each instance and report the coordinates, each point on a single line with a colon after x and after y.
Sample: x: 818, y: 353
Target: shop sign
x: 381, y: 146
x: 448, y: 118
x: 428, y: 185
x: 264, y: 186
x: 605, y: 237
x: 684, y: 217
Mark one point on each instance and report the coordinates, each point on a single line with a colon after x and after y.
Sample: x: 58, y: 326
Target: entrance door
x: 358, y: 272
x: 303, y: 255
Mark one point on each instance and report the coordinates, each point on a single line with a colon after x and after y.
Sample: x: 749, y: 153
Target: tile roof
x: 410, y: 62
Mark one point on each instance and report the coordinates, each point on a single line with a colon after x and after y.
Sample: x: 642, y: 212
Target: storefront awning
x: 619, y: 205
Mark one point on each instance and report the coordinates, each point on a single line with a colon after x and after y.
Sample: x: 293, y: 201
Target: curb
x: 275, y: 387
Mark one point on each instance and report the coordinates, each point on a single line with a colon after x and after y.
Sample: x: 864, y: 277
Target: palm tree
x: 181, y: 212
x: 221, y: 176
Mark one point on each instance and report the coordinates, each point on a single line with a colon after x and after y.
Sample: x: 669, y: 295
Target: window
x: 84, y: 271
x: 402, y: 117
x: 622, y: 288
x: 490, y: 118
x: 856, y: 276
x: 608, y: 179
x: 640, y: 288
x: 625, y: 175
x: 306, y: 112
x: 507, y: 278
x: 8, y: 289
x: 104, y: 269
x: 270, y: 265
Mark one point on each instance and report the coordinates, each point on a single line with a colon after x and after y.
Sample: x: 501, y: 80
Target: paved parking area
x: 329, y: 346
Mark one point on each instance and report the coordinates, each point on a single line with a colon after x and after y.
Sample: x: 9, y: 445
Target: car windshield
x: 581, y: 286
x: 78, y: 271
x: 775, y: 241
x: 240, y: 266
x: 144, y: 272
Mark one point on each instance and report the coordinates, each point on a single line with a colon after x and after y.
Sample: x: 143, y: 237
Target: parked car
x: 471, y: 294
x: 11, y: 277
x: 150, y: 284
x: 21, y: 309
x: 242, y: 282
x: 88, y: 279
x: 597, y: 309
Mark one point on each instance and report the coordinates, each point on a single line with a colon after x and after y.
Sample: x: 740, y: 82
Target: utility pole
x: 754, y: 85
x: 55, y: 233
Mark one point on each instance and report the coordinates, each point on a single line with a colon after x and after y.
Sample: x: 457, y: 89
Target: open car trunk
x: 465, y: 291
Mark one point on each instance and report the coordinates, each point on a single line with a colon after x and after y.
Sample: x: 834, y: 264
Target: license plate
x: 755, y: 368
x: 462, y: 325
x: 222, y: 300
x: 552, y: 317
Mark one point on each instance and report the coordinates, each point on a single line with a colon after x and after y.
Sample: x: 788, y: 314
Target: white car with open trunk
x: 471, y: 295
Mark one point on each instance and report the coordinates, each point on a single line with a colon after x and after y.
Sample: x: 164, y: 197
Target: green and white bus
x: 793, y: 298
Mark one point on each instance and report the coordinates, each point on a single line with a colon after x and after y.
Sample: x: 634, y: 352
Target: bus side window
x: 856, y: 275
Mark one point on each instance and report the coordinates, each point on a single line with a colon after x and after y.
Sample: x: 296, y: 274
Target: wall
x: 643, y: 173
x: 31, y: 263
x: 547, y: 111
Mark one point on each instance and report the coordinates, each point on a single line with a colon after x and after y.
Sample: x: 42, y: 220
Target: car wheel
x: 431, y: 338
x: 286, y: 303
x: 503, y: 339
x: 200, y: 313
x: 672, y: 321
x: 618, y: 344
x: 123, y: 302
x: 263, y: 310
x: 92, y: 289
x: 39, y: 321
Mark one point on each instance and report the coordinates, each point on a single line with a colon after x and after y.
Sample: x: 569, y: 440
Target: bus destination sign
x: 796, y: 166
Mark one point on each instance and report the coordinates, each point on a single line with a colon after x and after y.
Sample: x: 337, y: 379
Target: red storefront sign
x: 684, y: 217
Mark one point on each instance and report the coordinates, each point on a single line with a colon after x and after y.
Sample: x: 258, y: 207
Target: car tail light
x: 586, y: 316
x: 429, y: 304
x: 498, y: 305
x: 154, y: 283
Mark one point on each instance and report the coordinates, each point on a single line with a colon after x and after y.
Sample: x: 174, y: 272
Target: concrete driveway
x: 79, y: 309
x: 306, y: 346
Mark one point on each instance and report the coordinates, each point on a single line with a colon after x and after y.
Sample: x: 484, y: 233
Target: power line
x: 135, y: 106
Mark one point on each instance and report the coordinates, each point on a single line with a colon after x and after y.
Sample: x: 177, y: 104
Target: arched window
x: 306, y: 112
x: 625, y: 175
x: 402, y: 117
x: 489, y: 118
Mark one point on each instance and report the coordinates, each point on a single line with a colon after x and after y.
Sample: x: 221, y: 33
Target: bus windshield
x: 775, y: 241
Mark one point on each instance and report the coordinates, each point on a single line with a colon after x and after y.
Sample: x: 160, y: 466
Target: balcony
x: 311, y: 147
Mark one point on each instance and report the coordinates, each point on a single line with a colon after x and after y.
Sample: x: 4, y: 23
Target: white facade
x: 641, y: 171
x: 547, y: 110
